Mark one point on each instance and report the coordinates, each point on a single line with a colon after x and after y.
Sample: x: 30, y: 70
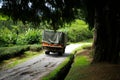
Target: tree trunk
x: 107, y: 41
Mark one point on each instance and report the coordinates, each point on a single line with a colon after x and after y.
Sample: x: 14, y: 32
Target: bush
x: 35, y: 47
x: 78, y: 31
x: 7, y: 37
x: 10, y: 37
x: 31, y: 36
x: 9, y: 52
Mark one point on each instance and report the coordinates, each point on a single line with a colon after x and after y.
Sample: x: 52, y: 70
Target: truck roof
x: 53, y: 37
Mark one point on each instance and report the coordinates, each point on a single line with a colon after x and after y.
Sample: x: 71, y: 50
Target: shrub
x: 31, y: 36
x: 35, y: 47
x: 9, y: 52
x: 7, y: 37
x: 78, y: 31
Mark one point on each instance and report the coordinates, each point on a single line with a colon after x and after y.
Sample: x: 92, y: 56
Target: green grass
x: 80, y: 63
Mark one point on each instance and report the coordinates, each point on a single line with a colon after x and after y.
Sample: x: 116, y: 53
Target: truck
x: 54, y: 41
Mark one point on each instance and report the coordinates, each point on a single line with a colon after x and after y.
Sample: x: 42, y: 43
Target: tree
x: 107, y: 22
x: 102, y: 15
x: 53, y: 12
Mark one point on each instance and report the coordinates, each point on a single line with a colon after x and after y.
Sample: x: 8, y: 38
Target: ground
x: 99, y: 71
x: 36, y: 67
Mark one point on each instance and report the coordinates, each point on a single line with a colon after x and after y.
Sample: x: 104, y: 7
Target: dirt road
x: 37, y: 67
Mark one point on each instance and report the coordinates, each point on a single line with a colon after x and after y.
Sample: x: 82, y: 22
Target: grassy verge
x: 17, y: 60
x: 10, y: 52
x: 35, y: 47
x: 81, y: 61
x: 83, y: 41
x: 83, y: 70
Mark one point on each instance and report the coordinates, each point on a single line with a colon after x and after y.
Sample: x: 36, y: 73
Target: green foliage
x: 35, y: 47
x: 21, y: 39
x: 10, y: 37
x: 31, y: 36
x: 80, y: 63
x: 19, y: 34
x: 7, y: 37
x: 78, y: 31
x: 55, y: 12
x: 3, y: 18
x: 8, y: 52
x: 87, y: 46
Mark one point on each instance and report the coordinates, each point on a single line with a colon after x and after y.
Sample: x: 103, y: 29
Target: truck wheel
x: 47, y: 52
x: 63, y: 51
x: 60, y: 53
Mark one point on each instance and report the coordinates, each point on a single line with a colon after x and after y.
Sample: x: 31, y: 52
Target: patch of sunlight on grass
x: 81, y: 61
x: 17, y: 60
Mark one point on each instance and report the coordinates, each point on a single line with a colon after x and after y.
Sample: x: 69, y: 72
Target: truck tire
x: 63, y: 51
x: 60, y: 53
x: 47, y: 52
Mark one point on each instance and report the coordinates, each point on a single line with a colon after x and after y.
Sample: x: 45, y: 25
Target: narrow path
x: 37, y: 67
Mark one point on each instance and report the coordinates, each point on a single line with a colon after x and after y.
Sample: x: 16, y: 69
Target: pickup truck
x: 54, y: 41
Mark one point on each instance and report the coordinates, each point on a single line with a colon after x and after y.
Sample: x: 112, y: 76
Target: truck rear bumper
x: 53, y: 47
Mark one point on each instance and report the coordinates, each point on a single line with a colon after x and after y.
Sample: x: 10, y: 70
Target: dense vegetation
x: 9, y: 52
x: 17, y: 51
x: 15, y: 36
x: 19, y: 34
x: 77, y: 31
x: 9, y: 37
